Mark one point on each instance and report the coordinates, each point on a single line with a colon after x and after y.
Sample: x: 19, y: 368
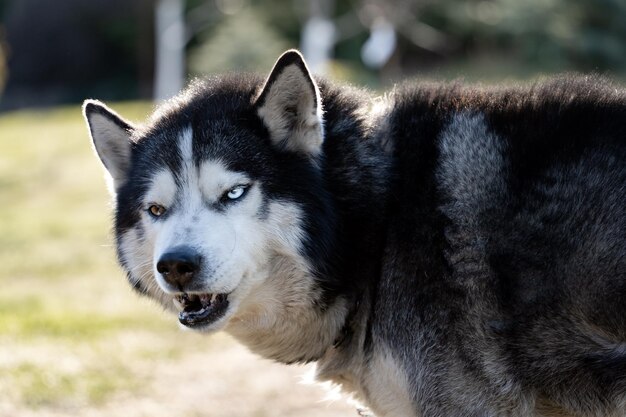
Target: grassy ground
x: 74, y: 340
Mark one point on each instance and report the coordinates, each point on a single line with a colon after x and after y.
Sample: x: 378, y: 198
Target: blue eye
x: 236, y: 192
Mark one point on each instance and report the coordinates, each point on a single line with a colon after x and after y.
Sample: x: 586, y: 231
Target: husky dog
x: 443, y: 251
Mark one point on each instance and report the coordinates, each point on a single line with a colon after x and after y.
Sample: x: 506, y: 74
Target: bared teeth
x: 198, y: 303
x: 205, y: 299
x: 203, y: 309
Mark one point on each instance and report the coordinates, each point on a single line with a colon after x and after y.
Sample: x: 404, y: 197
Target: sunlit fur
x: 443, y: 250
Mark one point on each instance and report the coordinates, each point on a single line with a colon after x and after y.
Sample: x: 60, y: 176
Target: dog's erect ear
x: 111, y: 139
x: 290, y: 106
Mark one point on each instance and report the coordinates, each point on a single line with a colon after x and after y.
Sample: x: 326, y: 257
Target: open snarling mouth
x: 200, y: 309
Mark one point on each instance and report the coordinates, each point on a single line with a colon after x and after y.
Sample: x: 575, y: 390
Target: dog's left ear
x: 290, y: 106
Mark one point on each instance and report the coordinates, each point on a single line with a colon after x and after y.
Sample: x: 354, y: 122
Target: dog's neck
x: 290, y: 328
x: 286, y: 321
x: 344, y: 363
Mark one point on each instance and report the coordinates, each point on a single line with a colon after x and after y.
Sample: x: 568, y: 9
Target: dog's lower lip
x: 201, y: 309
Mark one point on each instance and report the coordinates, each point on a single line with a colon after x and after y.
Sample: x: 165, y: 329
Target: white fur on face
x: 215, y: 179
x: 228, y: 239
x: 252, y: 254
x: 135, y: 248
x: 162, y: 189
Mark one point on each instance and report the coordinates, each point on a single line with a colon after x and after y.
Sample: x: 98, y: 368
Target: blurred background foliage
x: 244, y: 41
x: 63, y: 51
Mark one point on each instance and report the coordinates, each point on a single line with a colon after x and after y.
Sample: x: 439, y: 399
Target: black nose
x: 178, y: 266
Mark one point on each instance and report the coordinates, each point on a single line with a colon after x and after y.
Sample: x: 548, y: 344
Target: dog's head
x: 219, y: 195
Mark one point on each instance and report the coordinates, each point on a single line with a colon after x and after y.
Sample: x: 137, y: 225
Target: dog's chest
x: 380, y: 383
x: 386, y: 387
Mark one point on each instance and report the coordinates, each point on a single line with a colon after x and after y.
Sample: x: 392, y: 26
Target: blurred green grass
x: 72, y: 334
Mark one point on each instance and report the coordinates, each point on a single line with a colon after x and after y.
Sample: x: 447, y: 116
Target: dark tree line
x: 65, y: 50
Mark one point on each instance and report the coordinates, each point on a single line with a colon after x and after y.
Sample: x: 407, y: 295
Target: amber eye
x: 156, y: 210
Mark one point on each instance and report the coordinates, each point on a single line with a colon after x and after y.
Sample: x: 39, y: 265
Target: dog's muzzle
x: 179, y: 267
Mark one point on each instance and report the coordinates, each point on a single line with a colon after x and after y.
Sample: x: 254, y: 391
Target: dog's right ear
x: 290, y: 106
x: 111, y: 139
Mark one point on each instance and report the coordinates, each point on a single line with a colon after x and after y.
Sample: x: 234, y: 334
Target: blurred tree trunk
x: 170, y: 48
x: 319, y: 35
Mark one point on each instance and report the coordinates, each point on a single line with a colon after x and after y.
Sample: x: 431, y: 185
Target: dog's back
x: 505, y: 262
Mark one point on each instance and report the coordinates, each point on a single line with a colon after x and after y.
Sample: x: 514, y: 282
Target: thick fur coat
x: 445, y: 250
